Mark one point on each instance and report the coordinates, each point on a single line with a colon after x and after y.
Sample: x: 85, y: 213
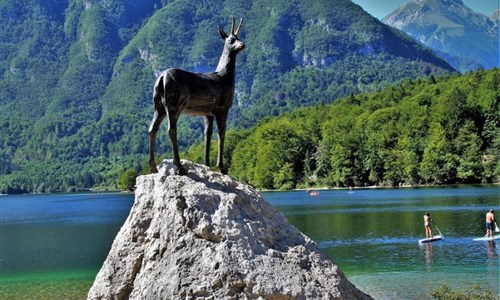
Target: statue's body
x: 198, y: 94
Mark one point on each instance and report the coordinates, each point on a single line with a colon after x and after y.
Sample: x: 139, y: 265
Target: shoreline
x: 322, y: 188
x: 325, y: 188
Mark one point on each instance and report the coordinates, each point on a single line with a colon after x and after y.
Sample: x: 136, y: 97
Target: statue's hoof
x: 223, y: 171
x: 153, y: 170
x: 181, y: 171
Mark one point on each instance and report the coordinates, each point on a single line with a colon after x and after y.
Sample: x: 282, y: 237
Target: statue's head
x: 232, y: 42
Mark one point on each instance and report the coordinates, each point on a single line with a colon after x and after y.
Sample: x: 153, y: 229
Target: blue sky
x: 381, y: 8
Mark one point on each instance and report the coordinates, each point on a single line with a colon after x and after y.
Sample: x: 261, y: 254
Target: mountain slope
x: 296, y: 55
x: 76, y: 86
x: 466, y: 39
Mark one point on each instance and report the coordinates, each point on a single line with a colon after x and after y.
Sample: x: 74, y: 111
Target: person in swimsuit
x: 427, y: 225
x: 490, y: 221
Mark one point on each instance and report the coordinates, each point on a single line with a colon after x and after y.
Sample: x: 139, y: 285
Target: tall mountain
x: 466, y: 39
x: 77, y: 75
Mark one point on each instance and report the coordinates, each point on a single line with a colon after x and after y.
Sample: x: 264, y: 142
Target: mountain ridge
x: 452, y: 28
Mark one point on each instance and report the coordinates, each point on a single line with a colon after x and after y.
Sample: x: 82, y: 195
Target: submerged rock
x: 207, y: 235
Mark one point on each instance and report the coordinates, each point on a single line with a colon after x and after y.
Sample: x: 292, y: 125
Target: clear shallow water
x: 52, y: 246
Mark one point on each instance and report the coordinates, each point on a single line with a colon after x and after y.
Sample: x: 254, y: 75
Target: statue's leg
x: 158, y: 116
x: 221, y: 125
x: 172, y: 133
x: 209, y: 124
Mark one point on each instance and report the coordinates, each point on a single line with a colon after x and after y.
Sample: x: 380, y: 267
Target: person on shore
x: 490, y: 222
x: 427, y: 225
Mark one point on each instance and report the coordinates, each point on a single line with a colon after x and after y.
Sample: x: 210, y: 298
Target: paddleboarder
x: 490, y: 221
x: 427, y: 225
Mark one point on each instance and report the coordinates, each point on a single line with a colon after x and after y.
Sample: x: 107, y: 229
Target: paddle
x: 442, y: 236
x: 496, y: 228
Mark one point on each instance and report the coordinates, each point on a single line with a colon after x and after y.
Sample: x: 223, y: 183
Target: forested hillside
x: 77, y: 75
x: 421, y: 132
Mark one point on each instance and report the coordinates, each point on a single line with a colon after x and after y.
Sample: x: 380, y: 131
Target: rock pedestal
x: 208, y: 236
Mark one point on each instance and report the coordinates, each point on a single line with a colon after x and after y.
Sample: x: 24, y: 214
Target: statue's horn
x: 239, y: 27
x: 232, y: 25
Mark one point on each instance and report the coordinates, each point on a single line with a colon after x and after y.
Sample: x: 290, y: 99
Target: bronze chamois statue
x: 198, y: 94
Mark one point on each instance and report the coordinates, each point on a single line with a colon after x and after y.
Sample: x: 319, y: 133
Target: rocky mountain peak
x: 207, y: 235
x: 496, y: 16
x: 466, y: 39
x: 448, y: 2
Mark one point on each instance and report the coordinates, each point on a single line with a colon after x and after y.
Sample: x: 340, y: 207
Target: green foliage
x: 76, y: 80
x: 126, y: 181
x: 475, y: 292
x: 423, y: 132
x: 274, y: 154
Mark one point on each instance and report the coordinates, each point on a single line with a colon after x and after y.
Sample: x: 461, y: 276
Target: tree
x: 126, y: 181
x: 468, y: 149
x: 438, y: 162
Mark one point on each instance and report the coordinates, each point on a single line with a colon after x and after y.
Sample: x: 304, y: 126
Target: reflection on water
x: 492, y: 250
x: 428, y: 255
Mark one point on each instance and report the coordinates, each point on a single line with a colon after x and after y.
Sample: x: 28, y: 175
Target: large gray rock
x: 207, y: 235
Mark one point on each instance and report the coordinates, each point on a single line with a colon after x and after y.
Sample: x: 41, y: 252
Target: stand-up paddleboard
x: 434, y: 238
x: 495, y: 237
x: 429, y: 240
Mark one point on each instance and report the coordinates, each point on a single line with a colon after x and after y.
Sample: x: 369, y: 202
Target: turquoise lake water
x: 52, y: 246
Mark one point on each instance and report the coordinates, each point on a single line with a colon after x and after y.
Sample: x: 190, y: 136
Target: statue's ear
x: 223, y: 35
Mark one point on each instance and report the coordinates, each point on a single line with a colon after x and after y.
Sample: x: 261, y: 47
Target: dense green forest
x: 76, y: 76
x: 424, y: 131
